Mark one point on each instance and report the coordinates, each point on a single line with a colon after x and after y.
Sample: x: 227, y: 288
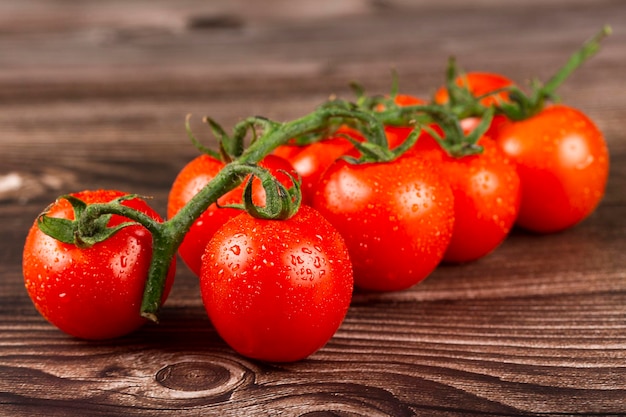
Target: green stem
x: 523, y: 106
x: 167, y: 236
x: 94, y: 211
x: 588, y: 49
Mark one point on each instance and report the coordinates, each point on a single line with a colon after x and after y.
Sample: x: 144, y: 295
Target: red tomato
x: 314, y: 159
x: 288, y: 151
x: 396, y: 218
x: 563, y: 163
x: 92, y: 293
x: 277, y: 290
x: 481, y: 84
x: 191, y: 179
x: 486, y: 190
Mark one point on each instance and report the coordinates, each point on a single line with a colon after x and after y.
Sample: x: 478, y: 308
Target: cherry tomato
x: 482, y: 84
x: 277, y: 290
x: 563, y: 163
x: 288, y: 150
x: 311, y: 161
x: 486, y: 190
x: 192, y: 178
x: 396, y: 217
x: 92, y: 293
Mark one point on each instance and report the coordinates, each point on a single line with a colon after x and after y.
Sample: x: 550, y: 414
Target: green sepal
x: 102, y: 232
x: 461, y: 101
x: 523, y: 106
x: 281, y: 203
x: 485, y: 121
x: 69, y: 232
x: 62, y: 230
x: 197, y: 143
x: 408, y: 143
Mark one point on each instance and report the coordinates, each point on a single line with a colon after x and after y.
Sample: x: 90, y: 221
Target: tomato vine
x: 370, y: 116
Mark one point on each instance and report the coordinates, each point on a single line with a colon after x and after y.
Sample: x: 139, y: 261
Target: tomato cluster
x: 373, y: 194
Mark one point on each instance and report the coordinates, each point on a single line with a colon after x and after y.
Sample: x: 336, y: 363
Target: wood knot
x: 193, y: 376
x: 212, y: 379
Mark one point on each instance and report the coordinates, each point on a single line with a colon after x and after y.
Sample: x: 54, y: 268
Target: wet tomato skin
x: 92, y: 293
x: 312, y: 160
x: 277, y: 290
x: 487, y: 195
x: 192, y: 178
x: 396, y: 218
x: 563, y: 163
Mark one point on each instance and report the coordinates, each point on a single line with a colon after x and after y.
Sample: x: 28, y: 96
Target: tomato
x: 486, y: 190
x: 563, y: 163
x: 311, y: 161
x: 92, y: 293
x: 288, y: 150
x: 396, y: 217
x: 277, y: 290
x: 481, y: 84
x: 192, y: 178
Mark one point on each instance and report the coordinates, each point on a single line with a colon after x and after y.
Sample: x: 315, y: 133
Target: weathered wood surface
x: 94, y: 94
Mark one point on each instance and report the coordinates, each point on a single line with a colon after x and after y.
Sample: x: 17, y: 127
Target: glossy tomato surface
x: 92, y: 293
x: 487, y: 195
x: 563, y: 163
x: 312, y: 160
x: 192, y: 178
x: 396, y: 218
x: 277, y: 290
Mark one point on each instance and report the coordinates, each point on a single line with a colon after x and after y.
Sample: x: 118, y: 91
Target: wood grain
x: 94, y: 94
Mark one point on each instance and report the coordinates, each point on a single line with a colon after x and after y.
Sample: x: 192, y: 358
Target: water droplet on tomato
x: 307, y: 250
x: 235, y: 249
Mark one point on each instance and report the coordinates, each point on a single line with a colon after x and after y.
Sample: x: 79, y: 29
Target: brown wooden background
x: 94, y: 94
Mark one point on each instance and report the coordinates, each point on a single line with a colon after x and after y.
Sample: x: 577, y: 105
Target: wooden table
x: 94, y: 95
